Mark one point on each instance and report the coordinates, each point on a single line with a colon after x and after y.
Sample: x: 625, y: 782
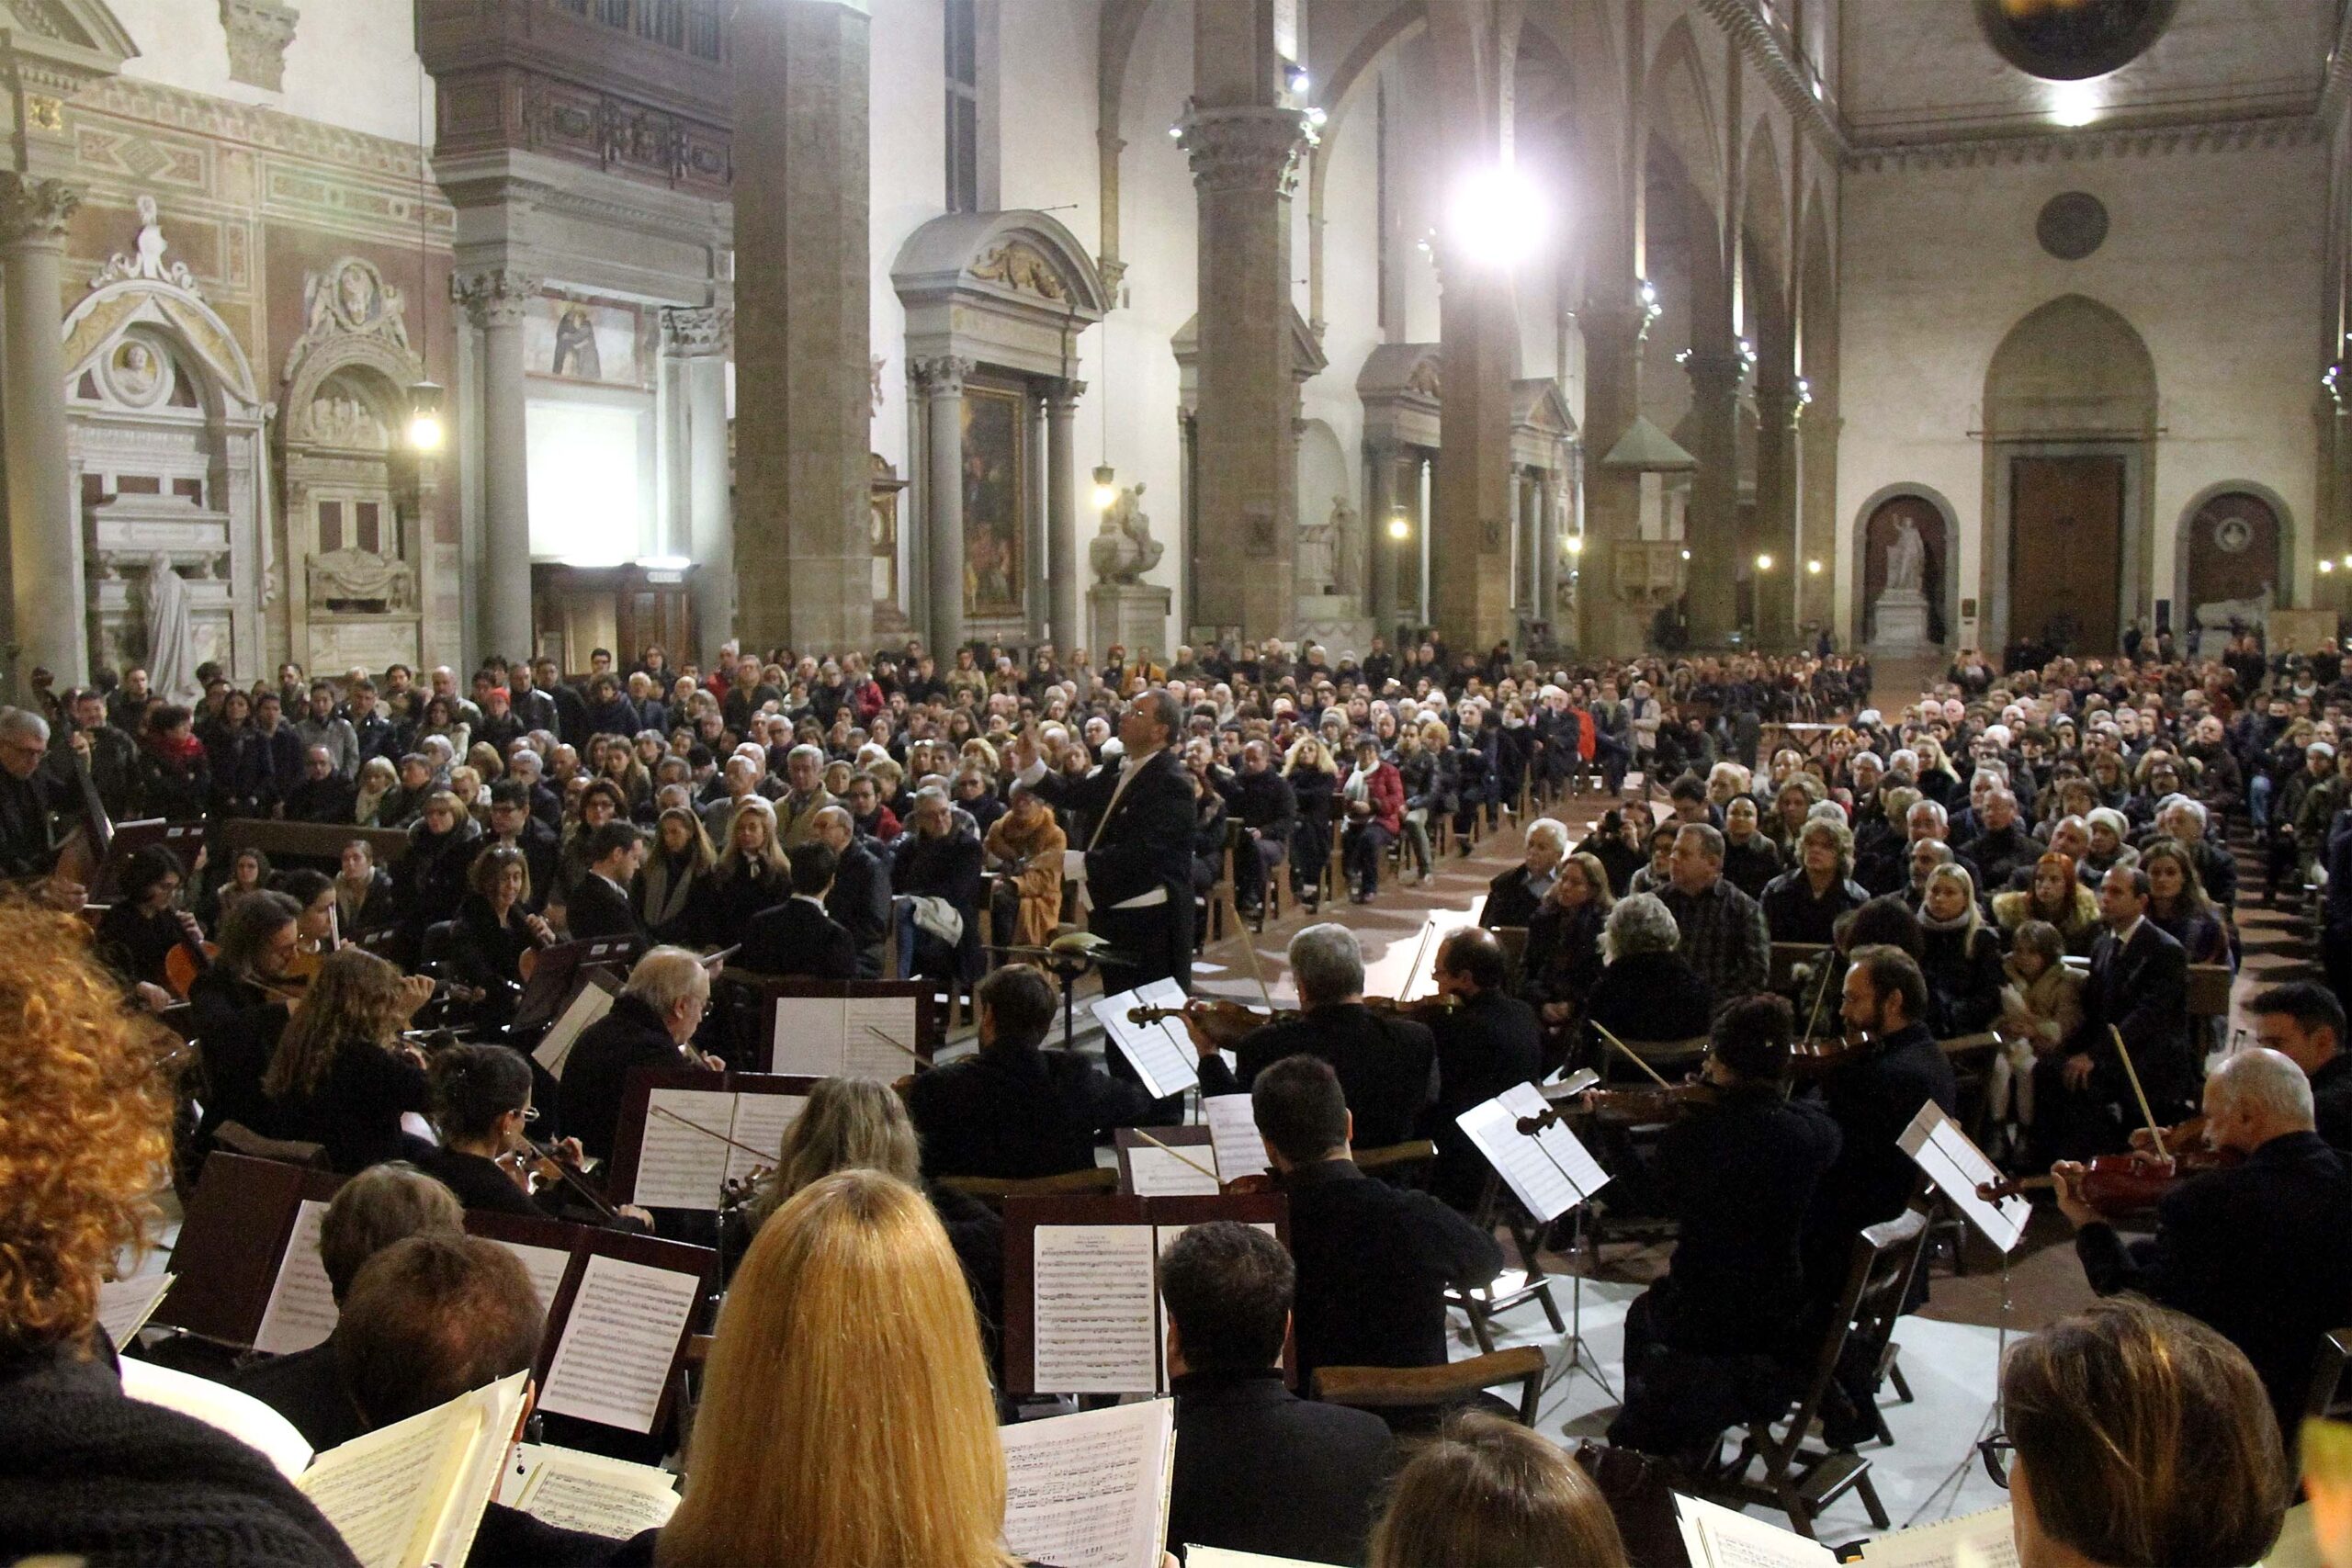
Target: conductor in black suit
x: 1488, y: 1042
x: 797, y: 940
x: 1258, y: 1469
x: 2256, y: 1252
x: 600, y: 905
x: 1139, y: 859
x: 1383, y: 1061
x: 2139, y: 987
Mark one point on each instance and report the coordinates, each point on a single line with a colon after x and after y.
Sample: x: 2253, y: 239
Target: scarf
x: 181, y: 751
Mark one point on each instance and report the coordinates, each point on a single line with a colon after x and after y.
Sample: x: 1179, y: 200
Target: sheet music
x: 1944, y: 1155
x: 626, y: 1324
x: 414, y: 1493
x: 1540, y: 1185
x: 302, y: 1310
x: 1218, y: 1557
x: 125, y: 1305
x: 1567, y: 1150
x: 680, y: 1165
x: 1157, y: 1173
x: 592, y: 1003
x: 1089, y: 1490
x: 869, y: 1025
x: 604, y: 1496
x: 1982, y: 1539
x: 1233, y: 1133
x: 1161, y: 1052
x: 810, y: 1038
x: 1095, y: 1310
x: 760, y: 1122
x: 544, y: 1265
x: 1717, y: 1537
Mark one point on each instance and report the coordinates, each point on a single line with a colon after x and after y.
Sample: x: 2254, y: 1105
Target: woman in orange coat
x: 1027, y: 844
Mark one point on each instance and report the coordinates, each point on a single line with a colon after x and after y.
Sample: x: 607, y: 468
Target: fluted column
x: 1712, y: 531
x: 941, y: 381
x: 44, y: 526
x: 495, y: 302
x: 699, y: 337
x: 1776, y: 513
x: 1061, y: 512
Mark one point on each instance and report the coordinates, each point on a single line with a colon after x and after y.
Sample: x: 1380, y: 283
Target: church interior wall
x: 351, y: 63
x: 2214, y: 256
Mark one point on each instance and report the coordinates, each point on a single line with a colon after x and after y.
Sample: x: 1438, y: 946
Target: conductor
x: 1138, y: 858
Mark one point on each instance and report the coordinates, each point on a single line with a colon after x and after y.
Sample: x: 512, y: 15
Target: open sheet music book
x: 619, y: 1340
x: 1168, y: 1162
x: 698, y: 1141
x: 124, y: 1305
x: 577, y: 1491
x: 1957, y: 1167
x: 1972, y: 1540
x: 854, y: 1036
x: 592, y: 992
x: 1233, y: 1130
x: 412, y: 1495
x: 1717, y: 1537
x: 1549, y: 1171
x: 1091, y: 1490
x: 1161, y: 1052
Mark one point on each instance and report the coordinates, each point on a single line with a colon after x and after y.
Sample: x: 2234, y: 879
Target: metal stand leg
x: 1580, y: 1356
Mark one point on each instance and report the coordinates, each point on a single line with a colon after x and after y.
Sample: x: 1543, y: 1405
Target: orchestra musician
x: 237, y: 1011
x: 495, y: 928
x: 1489, y: 1043
x: 482, y: 1111
x: 651, y: 1021
x: 341, y: 1075
x: 144, y: 926
x: 30, y: 796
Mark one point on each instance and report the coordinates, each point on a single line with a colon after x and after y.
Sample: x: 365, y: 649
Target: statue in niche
x: 1906, y: 559
x: 1317, y: 558
x: 137, y: 373
x: 1346, y: 549
x: 357, y: 578
x: 171, y: 633
x: 1125, y: 549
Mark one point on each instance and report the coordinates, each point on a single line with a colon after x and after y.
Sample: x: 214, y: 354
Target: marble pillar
x: 1470, y: 596
x: 699, y: 337
x: 1380, y: 550
x: 1244, y: 144
x: 1607, y: 625
x: 495, y: 302
x: 1776, y: 513
x: 1061, y: 513
x: 803, y: 559
x: 47, y: 602
x: 1818, y: 429
x: 1547, y: 552
x: 941, y: 383
x: 1713, y: 528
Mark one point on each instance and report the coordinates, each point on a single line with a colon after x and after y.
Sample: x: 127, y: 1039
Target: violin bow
x: 1633, y: 1056
x: 1168, y: 1149
x: 1248, y: 948
x: 756, y: 1153
x: 2147, y: 1113
x: 1820, y: 993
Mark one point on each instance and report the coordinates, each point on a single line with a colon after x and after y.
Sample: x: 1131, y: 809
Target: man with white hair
x: 796, y: 814
x: 1513, y: 897
x: 29, y: 794
x: 648, y: 1026
x: 2256, y: 1250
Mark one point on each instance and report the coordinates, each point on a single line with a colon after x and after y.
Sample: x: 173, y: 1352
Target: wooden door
x: 2066, y: 552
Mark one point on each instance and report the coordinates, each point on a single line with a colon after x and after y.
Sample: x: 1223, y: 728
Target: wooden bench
x: 303, y: 840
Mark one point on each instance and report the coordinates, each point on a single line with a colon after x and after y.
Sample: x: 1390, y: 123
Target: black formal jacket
x: 307, y: 1390
x: 1872, y: 1100
x: 355, y: 1110
x: 632, y: 1035
x: 1510, y: 900
x: 860, y: 902
x: 1374, y: 1262
x: 2331, y: 1098
x: 1013, y: 1110
x: 2142, y: 989
x: 1739, y: 1176
x: 1483, y: 1046
x: 2257, y: 1252
x: 799, y: 940
x: 1259, y: 1469
x: 1146, y: 841
x: 598, y: 908
x: 1382, y: 1062
x: 94, y: 1475
x: 236, y: 1025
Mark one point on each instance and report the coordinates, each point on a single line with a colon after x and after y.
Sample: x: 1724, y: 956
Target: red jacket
x: 1385, y: 790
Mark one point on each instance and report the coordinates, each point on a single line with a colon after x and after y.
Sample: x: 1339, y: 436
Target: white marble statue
x: 1348, y: 540
x: 2225, y: 614
x: 1906, y: 559
x: 171, y: 634
x: 1125, y: 549
x: 1317, y: 558
x: 352, y: 574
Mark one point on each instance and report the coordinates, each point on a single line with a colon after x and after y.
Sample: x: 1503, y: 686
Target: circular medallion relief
x: 137, y: 373
x: 2233, y: 534
x: 2066, y: 40
x: 2072, y: 225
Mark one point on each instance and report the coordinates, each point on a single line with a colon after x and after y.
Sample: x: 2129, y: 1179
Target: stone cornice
x: 2090, y: 144
x: 138, y: 99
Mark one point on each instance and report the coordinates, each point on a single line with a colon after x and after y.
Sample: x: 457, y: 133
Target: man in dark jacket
x: 939, y: 858
x: 1015, y: 1109
x: 320, y: 797
x: 860, y: 901
x: 2256, y: 1252
x: 652, y: 1021
x: 1382, y: 1062
x: 1258, y: 1469
x: 1485, y: 1045
x: 2139, y: 988
x: 797, y: 940
x: 600, y: 905
x: 1262, y: 802
x: 1375, y: 1261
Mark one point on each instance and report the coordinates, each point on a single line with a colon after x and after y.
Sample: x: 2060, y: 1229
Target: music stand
x: 550, y: 983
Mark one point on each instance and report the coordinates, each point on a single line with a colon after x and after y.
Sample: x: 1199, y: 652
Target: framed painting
x: 580, y: 340
x: 995, y: 501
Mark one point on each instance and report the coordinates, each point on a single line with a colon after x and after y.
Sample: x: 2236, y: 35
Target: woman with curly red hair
x: 92, y: 1473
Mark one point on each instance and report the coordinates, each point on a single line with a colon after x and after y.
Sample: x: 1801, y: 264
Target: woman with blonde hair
x: 678, y: 862
x: 1314, y: 775
x: 751, y: 874
x: 1958, y: 954
x: 1489, y: 1494
x: 340, y: 1076
x: 846, y: 1420
x: 379, y: 782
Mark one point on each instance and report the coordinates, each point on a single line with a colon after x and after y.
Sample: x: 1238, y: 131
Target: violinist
x: 1489, y: 1043
x: 146, y: 924
x: 237, y: 1009
x: 28, y: 795
x: 481, y: 1109
x: 493, y: 929
x: 1383, y: 1061
x: 341, y: 1075
x: 1714, y: 1338
x: 2255, y: 1251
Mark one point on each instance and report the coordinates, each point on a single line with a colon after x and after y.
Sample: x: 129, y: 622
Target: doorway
x: 575, y: 610
x: 2066, y: 552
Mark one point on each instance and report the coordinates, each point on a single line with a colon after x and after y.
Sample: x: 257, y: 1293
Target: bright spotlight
x: 1763, y: 563
x: 425, y: 432
x: 1400, y: 527
x: 1106, y: 488
x: 1498, y: 216
x: 2327, y: 565
x: 1813, y: 567
x: 1575, y: 544
x: 2075, y: 104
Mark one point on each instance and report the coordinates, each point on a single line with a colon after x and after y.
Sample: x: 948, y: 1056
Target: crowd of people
x: 1941, y: 861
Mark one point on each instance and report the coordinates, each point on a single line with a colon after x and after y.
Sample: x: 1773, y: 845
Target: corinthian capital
x: 1244, y: 149
x: 496, y: 298
x: 694, y: 330
x: 942, y: 376
x: 34, y: 209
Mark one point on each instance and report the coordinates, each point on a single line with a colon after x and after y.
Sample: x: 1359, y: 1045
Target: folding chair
x: 1433, y: 1389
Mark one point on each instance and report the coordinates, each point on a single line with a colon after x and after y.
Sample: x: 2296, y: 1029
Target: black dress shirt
x: 1017, y: 1111
x: 1374, y: 1262
x: 1488, y: 1045
x: 1259, y: 1469
x: 796, y: 940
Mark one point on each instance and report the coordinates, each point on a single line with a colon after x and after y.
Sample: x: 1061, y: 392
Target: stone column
x: 1061, y: 513
x: 1547, y: 552
x: 1470, y: 598
x: 1244, y: 148
x: 1818, y: 429
x: 1380, y: 550
x: 1713, y: 530
x: 49, y: 607
x: 495, y: 302
x: 802, y: 556
x: 1607, y: 625
x: 699, y: 337
x: 1776, y: 513
x: 941, y: 383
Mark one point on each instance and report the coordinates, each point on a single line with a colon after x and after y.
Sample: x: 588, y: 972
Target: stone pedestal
x: 1901, y: 622
x: 1337, y: 621
x: 1131, y: 615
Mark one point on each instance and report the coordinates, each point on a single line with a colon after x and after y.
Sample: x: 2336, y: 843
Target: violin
x: 1639, y: 1107
x: 1223, y: 1023
x: 2121, y: 1184
x: 1420, y: 1011
x: 1811, y: 1060
x: 189, y: 958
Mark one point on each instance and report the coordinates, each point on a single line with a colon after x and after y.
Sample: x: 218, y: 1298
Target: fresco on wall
x: 996, y: 470
x: 579, y: 340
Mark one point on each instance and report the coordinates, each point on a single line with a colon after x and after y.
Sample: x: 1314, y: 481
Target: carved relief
x: 1022, y: 269
x: 37, y: 208
x: 146, y: 259
x: 349, y: 299
x: 258, y: 32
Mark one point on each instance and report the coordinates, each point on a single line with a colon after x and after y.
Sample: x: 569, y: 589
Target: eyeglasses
x: 1996, y: 1451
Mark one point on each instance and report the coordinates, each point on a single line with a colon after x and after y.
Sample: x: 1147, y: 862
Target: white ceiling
x: 1921, y: 70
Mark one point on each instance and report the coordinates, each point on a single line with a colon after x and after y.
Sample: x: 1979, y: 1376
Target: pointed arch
x: 1682, y: 113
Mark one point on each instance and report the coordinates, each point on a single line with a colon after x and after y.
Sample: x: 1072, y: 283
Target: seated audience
x: 1958, y: 954
x: 2041, y: 1007
x: 599, y: 905
x: 1562, y: 963
x: 1646, y: 991
x: 935, y: 871
x: 1724, y: 935
x: 1025, y: 847
x: 1514, y: 896
x: 1804, y: 902
x: 1489, y: 1493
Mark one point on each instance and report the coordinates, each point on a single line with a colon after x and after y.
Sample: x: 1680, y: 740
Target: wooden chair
x: 994, y: 1190
x: 2327, y: 1372
x: 1668, y: 1058
x: 1801, y: 1482
x: 1483, y: 1304
x: 239, y: 1139
x: 1397, y: 1162
x: 1434, y: 1388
